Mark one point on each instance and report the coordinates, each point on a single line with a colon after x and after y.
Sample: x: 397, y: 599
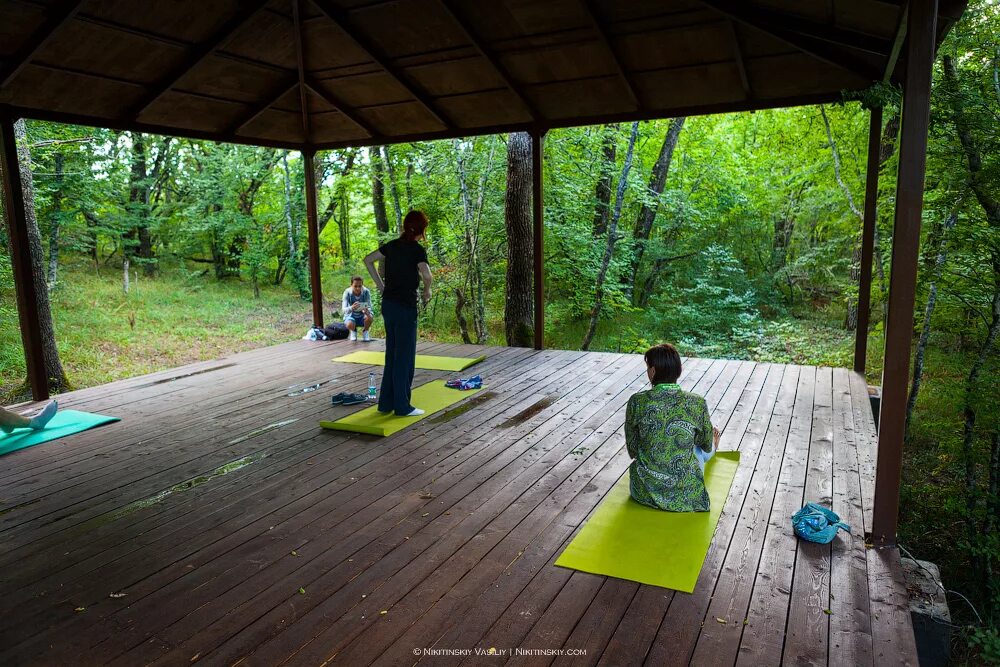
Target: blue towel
x: 816, y: 523
x: 474, y: 382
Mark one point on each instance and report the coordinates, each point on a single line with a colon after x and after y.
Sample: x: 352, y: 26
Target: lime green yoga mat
x: 425, y: 361
x: 65, y: 422
x: 430, y: 398
x: 631, y: 541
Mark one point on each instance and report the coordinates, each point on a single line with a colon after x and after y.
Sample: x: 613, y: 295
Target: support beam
x: 741, y: 64
x: 312, y: 230
x: 58, y: 16
x: 807, y: 37
x: 24, y: 282
x: 921, y: 31
x: 218, y: 40
x: 868, y: 240
x: 301, y: 62
x: 338, y: 104
x: 449, y: 7
x: 538, y: 233
x: 897, y: 45
x: 599, y: 28
x: 343, y: 21
x: 255, y: 112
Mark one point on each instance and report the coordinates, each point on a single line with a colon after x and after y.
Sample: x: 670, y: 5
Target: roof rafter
x: 897, y: 45
x: 338, y: 104
x: 343, y: 21
x: 802, y: 36
x: 589, y: 12
x: 56, y: 19
x: 741, y: 64
x: 201, y: 51
x: 256, y: 111
x: 300, y: 60
x: 449, y: 7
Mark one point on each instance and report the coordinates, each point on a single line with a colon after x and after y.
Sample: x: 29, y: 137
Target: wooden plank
x: 57, y: 16
x: 401, y: 563
x: 291, y: 444
x: 764, y: 634
x: 850, y: 620
x: 893, y: 642
x: 117, y: 570
x: 637, y: 630
x: 808, y: 629
x: 556, y: 628
x: 731, y: 562
x: 394, y: 483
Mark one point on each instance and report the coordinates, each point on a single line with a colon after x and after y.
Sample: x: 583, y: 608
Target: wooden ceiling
x: 333, y: 73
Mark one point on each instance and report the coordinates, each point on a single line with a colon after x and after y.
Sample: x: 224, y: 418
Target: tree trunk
x: 290, y: 233
x: 612, y: 238
x: 647, y: 214
x: 519, y: 309
x: 53, y: 366
x: 602, y: 192
x: 57, y: 198
x: 472, y: 216
x: 925, y: 332
x: 393, y: 189
x: 378, y: 191
x: 463, y: 325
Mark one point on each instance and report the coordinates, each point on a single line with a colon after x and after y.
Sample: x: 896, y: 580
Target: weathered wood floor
x: 216, y: 523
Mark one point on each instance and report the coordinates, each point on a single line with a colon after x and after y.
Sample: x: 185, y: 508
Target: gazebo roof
x: 377, y: 71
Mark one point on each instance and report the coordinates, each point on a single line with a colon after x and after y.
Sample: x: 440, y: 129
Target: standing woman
x: 404, y: 265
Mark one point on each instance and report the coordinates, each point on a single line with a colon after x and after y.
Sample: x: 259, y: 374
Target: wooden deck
x: 216, y: 523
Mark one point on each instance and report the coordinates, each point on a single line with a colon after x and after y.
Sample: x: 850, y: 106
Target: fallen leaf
x: 79, y: 609
x: 827, y: 612
x: 383, y: 612
x: 720, y: 620
x: 195, y: 657
x: 425, y: 514
x: 302, y: 591
x: 295, y: 553
x: 117, y: 595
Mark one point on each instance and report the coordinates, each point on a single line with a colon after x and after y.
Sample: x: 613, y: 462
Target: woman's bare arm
x: 425, y: 275
x: 370, y: 259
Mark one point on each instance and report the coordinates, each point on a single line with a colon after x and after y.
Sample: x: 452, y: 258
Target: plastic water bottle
x: 371, y: 386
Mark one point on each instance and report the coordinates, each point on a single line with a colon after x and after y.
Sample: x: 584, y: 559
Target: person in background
x: 12, y: 420
x: 357, y: 308
x: 403, y: 266
x: 669, y: 433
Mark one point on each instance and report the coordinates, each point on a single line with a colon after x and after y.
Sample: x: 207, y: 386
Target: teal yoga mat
x: 65, y: 422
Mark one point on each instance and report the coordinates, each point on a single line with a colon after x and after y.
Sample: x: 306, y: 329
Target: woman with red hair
x: 403, y: 266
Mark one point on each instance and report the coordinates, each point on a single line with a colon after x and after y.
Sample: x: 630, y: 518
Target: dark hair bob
x: 666, y: 363
x: 414, y: 225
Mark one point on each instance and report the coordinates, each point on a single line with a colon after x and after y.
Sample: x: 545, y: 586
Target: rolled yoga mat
x: 425, y: 361
x: 627, y: 540
x: 430, y: 398
x: 65, y: 422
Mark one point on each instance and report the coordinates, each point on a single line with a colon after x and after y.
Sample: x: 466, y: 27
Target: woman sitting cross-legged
x: 669, y: 433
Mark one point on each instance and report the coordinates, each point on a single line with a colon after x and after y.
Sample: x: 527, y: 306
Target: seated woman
x: 12, y: 420
x: 669, y: 433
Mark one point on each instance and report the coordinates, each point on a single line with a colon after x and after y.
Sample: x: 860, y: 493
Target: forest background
x: 734, y: 236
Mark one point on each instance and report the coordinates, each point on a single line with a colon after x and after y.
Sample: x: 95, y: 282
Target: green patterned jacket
x: 663, y: 425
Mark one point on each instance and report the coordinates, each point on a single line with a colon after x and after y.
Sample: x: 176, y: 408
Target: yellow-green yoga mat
x: 631, y: 541
x: 430, y: 398
x: 65, y: 422
x: 425, y: 361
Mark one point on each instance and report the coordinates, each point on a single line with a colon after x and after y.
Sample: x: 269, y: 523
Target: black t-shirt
x: 401, y: 275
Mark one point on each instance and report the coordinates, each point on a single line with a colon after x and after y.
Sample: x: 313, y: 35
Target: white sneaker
x: 367, y: 338
x: 416, y: 412
x: 353, y: 336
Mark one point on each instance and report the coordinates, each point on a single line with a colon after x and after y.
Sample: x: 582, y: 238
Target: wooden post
x: 868, y: 240
x: 312, y: 228
x: 921, y: 29
x: 538, y: 234
x: 24, y: 282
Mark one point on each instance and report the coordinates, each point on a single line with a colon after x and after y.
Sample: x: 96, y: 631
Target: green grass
x: 166, y: 321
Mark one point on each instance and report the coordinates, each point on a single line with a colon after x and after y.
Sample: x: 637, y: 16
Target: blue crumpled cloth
x: 816, y: 523
x: 474, y: 382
